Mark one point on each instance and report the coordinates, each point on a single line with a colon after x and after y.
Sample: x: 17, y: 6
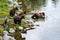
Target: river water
x: 50, y: 28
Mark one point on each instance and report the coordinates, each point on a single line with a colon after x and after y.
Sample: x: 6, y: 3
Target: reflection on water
x: 32, y: 4
x: 54, y: 1
x: 50, y: 28
x: 37, y: 3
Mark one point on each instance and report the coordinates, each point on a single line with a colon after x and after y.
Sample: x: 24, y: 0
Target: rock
x: 23, y: 35
x: 20, y: 28
x: 6, y: 37
x: 1, y: 38
x: 11, y: 30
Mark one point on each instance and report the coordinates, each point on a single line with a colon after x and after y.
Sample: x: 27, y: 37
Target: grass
x: 1, y: 21
x: 4, y: 8
x: 4, y: 12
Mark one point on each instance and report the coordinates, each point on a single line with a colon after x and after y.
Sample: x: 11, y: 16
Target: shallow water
x: 50, y: 28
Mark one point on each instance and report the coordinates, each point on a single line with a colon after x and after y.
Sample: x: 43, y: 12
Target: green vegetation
x: 4, y: 8
x: 1, y: 21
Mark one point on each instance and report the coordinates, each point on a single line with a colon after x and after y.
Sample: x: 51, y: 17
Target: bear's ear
x: 43, y: 13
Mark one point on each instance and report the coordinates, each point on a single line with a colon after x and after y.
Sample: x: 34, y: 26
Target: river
x: 50, y: 28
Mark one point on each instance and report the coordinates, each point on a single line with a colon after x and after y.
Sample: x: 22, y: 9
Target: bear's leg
x: 19, y: 22
x: 15, y: 21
